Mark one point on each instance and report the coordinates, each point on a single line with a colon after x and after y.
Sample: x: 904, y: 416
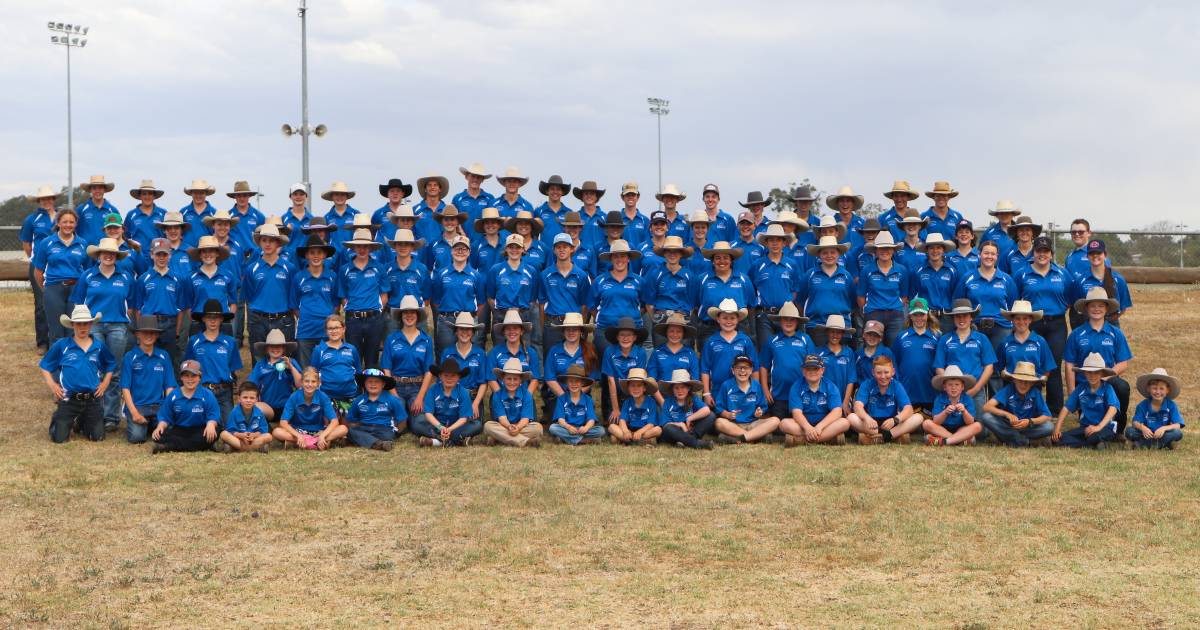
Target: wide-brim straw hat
x: 361, y: 221
x: 953, y: 371
x: 405, y: 235
x: 524, y: 215
x: 466, y: 320
x: 1004, y: 206
x: 912, y: 217
x: 81, y: 314
x: 827, y: 242
x: 626, y: 323
x: 673, y: 243
x: 212, y: 307
x: 1158, y: 374
x: 639, y: 375
x: 512, y: 172
x: 147, y: 186
x: 727, y: 306
x: 488, y: 214
x: 44, y: 192
x: 620, y: 246
x: 682, y: 377
x: 588, y: 186
x: 388, y: 382
x: 199, y: 185
x: 942, y: 188
x: 362, y: 236
x: 443, y: 183
x: 1023, y: 221
x: 98, y: 180
x: 395, y: 182
x: 554, y: 180
x: 450, y: 212
x: 775, y: 230
x: 274, y: 338
x: 268, y: 230
x: 574, y: 320
x: 476, y: 168
x: 670, y: 190
x: 847, y: 193
x: 698, y: 216
x: 109, y: 245
x: 675, y: 319
x: 1021, y: 307
x: 1096, y: 294
x: 220, y: 215
x: 173, y: 219
x: 241, y: 187
x: 577, y: 372
x: 835, y: 322
x: 338, y: 187
x: 512, y: 317
x: 409, y: 303
x: 883, y: 241
x: 315, y: 242
x: 788, y: 310
x: 1023, y: 371
x: 830, y: 221
x: 721, y: 247
x: 935, y: 238
x: 902, y: 187
x: 791, y: 218
x: 208, y: 242
x: 512, y: 366
x: 1095, y: 363
x: 405, y: 211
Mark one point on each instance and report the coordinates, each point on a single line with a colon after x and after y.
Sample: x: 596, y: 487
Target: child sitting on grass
x: 246, y: 425
x: 685, y: 417
x: 375, y: 416
x: 513, y: 416
x: 448, y: 413
x: 882, y: 410
x: 187, y: 420
x: 1096, y: 403
x: 816, y: 406
x: 309, y: 420
x: 276, y: 374
x: 575, y: 412
x: 1017, y: 414
x: 953, y: 420
x: 1157, y: 422
x: 638, y: 422
x: 740, y: 406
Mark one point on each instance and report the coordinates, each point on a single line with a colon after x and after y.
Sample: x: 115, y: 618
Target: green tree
x: 781, y: 198
x: 14, y: 209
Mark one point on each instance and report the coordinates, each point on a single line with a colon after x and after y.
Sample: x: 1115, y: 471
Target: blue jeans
x: 238, y: 329
x: 980, y: 399
x: 1014, y: 437
x: 40, y: 329
x: 893, y: 324
x: 560, y: 432
x: 56, y: 300
x: 138, y: 433
x: 1075, y: 438
x: 259, y: 325
x: 422, y: 428
x: 115, y: 336
x: 167, y: 339
x: 407, y: 393
x: 366, y: 435
x: 1139, y: 441
x: 224, y: 396
x: 304, y: 350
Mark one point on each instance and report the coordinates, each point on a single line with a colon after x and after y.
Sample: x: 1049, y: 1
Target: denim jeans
x: 893, y: 324
x: 407, y: 393
x: 1075, y: 438
x: 366, y: 435
x: 304, y: 350
x: 1054, y: 331
x: 1139, y: 441
x: 980, y: 399
x: 56, y: 300
x: 224, y: 396
x: 551, y: 335
x: 765, y: 328
x: 560, y: 432
x: 422, y: 428
x: 137, y: 433
x: 87, y: 413
x: 40, y: 329
x: 673, y: 434
x: 1016, y: 437
x: 366, y: 334
x: 238, y: 329
x: 167, y: 340
x: 259, y: 325
x: 114, y: 336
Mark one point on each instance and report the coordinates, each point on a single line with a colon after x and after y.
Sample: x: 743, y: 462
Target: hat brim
x: 611, y: 332
x: 108, y: 186
x: 833, y: 200
x: 949, y: 193
x: 388, y: 381
x: 442, y: 182
x: 416, y: 243
x: 1009, y: 315
x: 762, y: 238
x: 328, y: 194
x: 679, y: 196
x: 136, y: 193
x: 946, y: 245
x: 405, y: 189
x: 302, y: 252
x: 478, y: 223
x: 510, y: 224
x: 499, y: 373
x: 684, y: 250
x: 234, y: 194
x: 1012, y: 211
x: 397, y: 313
x: 584, y: 327
x: 437, y: 370
x: 210, y: 220
x: 198, y: 316
x: 695, y: 386
x: 776, y: 317
x: 1005, y: 374
x: 607, y: 256
x: 651, y: 384
x: 222, y: 252
x: 815, y: 248
x: 371, y: 244
x: 66, y: 320
x: 871, y: 248
x: 283, y: 239
x: 714, y: 311
x: 661, y: 329
x: 475, y: 326
x: 1081, y: 305
x: 747, y: 204
x: 498, y: 329
x: 967, y: 379
x: 208, y: 191
x: 587, y: 380
x: 911, y: 194
x: 733, y: 252
x: 544, y: 187
x: 1104, y: 371
x: 289, y: 347
x: 954, y: 311
x: 1143, y: 384
x: 1012, y: 229
x: 466, y: 171
x: 845, y: 329
x: 504, y: 178
x: 94, y: 251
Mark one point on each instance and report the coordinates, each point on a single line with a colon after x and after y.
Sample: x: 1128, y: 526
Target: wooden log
x: 14, y: 270
x: 1160, y: 275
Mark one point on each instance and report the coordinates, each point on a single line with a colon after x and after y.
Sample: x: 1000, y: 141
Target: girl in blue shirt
x: 673, y: 354
x: 872, y: 347
x: 1099, y: 335
x: 716, y: 358
x: 575, y: 413
x: 210, y: 282
x: 780, y: 358
x: 1024, y: 344
x: 107, y: 289
x: 968, y: 349
x: 574, y: 349
x: 638, y: 421
x: 964, y: 256
x: 883, y: 288
x: 914, y: 352
x: 1157, y: 422
x: 447, y: 417
x: 58, y: 261
x: 936, y: 280
x: 405, y: 275
x: 408, y: 354
x: 827, y: 289
x: 616, y: 293
x: 1096, y: 403
x: 376, y: 417
x: 217, y: 354
x: 309, y: 420
x: 36, y: 227
x: 685, y: 417
x: 337, y: 362
x: 246, y: 427
x: 276, y: 374
x: 839, y: 359
x: 514, y: 422
x: 815, y: 408
x: 992, y: 291
x: 953, y: 416
x: 311, y: 296
x: 623, y: 354
x: 362, y: 290
x: 470, y: 356
x: 741, y: 406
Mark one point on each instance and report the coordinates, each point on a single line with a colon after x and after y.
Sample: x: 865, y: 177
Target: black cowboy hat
x: 317, y: 242
x: 361, y: 378
x: 754, y: 197
x: 803, y: 193
x: 612, y: 219
x: 449, y: 364
x: 212, y: 307
x: 626, y: 323
x: 555, y: 180
x: 395, y: 183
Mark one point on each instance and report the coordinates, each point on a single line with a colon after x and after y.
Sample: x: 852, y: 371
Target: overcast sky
x: 1081, y: 109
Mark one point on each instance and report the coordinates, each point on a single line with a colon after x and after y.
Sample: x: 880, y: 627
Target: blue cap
x: 812, y: 360
x: 1095, y: 246
x: 658, y: 216
x: 563, y: 237
x: 741, y: 358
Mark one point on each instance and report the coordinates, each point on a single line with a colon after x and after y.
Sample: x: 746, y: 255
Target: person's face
x: 613, y: 232
x: 1042, y: 257
x: 514, y: 251
x: 670, y: 202
x: 835, y: 335
x: 190, y: 380
x: 1023, y: 387
x: 146, y: 338
x: 298, y: 198
x: 524, y: 228
x: 572, y: 334
x: 658, y: 228
x: 883, y: 374
x: 757, y: 208
x: 953, y: 387
x: 963, y: 236
x: 1080, y: 234
x: 450, y: 379
x: 626, y: 338
x: 884, y: 254
x: 727, y: 321
x: 574, y: 385
x: 987, y: 256
x: 512, y: 333
x: 115, y: 231
x: 589, y: 198
x: 1004, y: 218
x: 310, y: 383
x: 700, y: 230
x: 673, y: 256
x: 788, y: 324
x: 828, y: 255
x: 912, y: 229
x: 1024, y: 234
x: 827, y: 231
x: 872, y: 339
x: 66, y: 224
x: 620, y: 262
x: 745, y: 229
x: 362, y: 251
x: 221, y: 229
x: 630, y: 199
x: 775, y: 244
x: 199, y: 197
x: 554, y: 193
x: 491, y: 226
x: 935, y: 253
x: 406, y: 223
x: 108, y: 259
x: 637, y: 389
x: 161, y: 259
x: 869, y: 237
x: 97, y: 192
x: 373, y: 385
x: 845, y: 205
x: 335, y: 330
x: 247, y: 399
x: 681, y: 391
x: 339, y: 198
x: 675, y: 334
x: 1158, y: 390
x: 741, y: 371
x: 173, y: 233
x: 920, y: 320
x: 722, y: 262
x: 395, y: 195
x: 269, y: 245
x: 433, y: 189
x: 1097, y: 310
x: 511, y: 186
x: 900, y: 202
x: 1021, y: 322
x: 1094, y: 378
x: 962, y: 321
x: 315, y: 257
x: 450, y: 223
x: 464, y: 335
x: 409, y: 318
x: 941, y: 200
x: 146, y: 198
x: 474, y: 181
x: 82, y: 329
x: 813, y: 375
x: 241, y: 200
x: 711, y: 199
x: 208, y: 256
x: 1097, y: 258
x: 460, y: 253
x: 512, y: 382
x: 563, y: 251
x: 803, y: 207
x: 213, y: 322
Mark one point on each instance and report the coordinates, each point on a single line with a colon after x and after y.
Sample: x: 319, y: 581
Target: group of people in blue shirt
x: 447, y: 317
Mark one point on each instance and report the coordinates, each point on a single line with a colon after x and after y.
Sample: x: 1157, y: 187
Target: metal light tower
x: 1181, y: 227
x: 304, y: 131
x: 659, y: 107
x: 69, y: 36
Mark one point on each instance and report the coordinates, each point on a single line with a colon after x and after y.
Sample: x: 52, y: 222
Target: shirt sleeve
x: 401, y: 414
x: 939, y: 403
x: 939, y: 355
x: 1110, y: 397
x: 722, y: 398
x: 212, y: 411
x: 1072, y: 403
x: 1070, y: 351
x: 1122, y: 351
x: 166, y: 412
x: 589, y: 408
x: 902, y: 399
x: 527, y: 405
x: 1175, y: 417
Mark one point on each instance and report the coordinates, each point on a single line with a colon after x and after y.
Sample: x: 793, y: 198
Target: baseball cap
x: 563, y: 237
x: 964, y: 224
x: 112, y: 218
x: 466, y: 242
x: 918, y: 305
x: 160, y: 245
x: 513, y: 239
x: 630, y: 188
x: 745, y: 216
x: 741, y: 358
x: 873, y: 326
x: 711, y: 188
x: 658, y: 216
x: 297, y: 187
x: 190, y: 367
x: 812, y: 361
x: 1096, y: 246
x: 1042, y: 242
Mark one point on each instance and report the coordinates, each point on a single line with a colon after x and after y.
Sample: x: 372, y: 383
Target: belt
x: 936, y: 312
x: 557, y: 319
x: 452, y: 315
x: 410, y: 380
x: 362, y: 314
x: 271, y: 315
x: 82, y: 396
x: 771, y: 310
x: 216, y: 387
x: 69, y: 283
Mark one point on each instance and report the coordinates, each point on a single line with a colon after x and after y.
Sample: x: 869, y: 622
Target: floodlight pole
x: 304, y: 92
x: 1181, y: 227
x: 65, y: 40
x: 659, y: 107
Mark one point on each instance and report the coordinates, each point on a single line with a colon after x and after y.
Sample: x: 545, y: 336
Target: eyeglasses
x: 1078, y: 232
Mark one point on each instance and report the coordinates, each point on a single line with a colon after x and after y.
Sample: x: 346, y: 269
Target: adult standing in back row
x: 942, y: 218
x: 36, y: 227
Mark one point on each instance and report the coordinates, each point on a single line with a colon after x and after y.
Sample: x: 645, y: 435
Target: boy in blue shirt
x: 375, y: 417
x: 246, y: 427
x: 276, y: 374
x: 639, y: 421
x: 816, y: 408
x: 78, y: 369
x: 147, y: 376
x: 448, y: 418
x: 575, y: 412
x: 685, y: 418
x: 953, y: 421
x: 882, y: 409
x: 1096, y: 403
x: 513, y: 416
x: 188, y: 418
x: 1157, y: 422
x: 1017, y: 414
x: 740, y: 406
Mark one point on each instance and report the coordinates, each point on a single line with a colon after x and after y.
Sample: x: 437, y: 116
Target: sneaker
x: 109, y: 427
x: 157, y: 448
x: 533, y: 442
x: 424, y: 441
x: 222, y: 447
x: 383, y: 445
x: 704, y: 444
x: 934, y: 440
x: 436, y: 442
x: 727, y: 439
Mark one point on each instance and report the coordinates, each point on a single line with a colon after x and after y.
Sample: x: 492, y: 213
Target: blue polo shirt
x: 667, y: 291
x: 881, y: 404
x: 815, y: 404
x: 574, y: 413
x: 475, y: 361
x: 448, y: 408
x: 195, y: 219
x: 550, y: 218
x: 147, y: 376
x: 717, y: 355
x: 697, y: 264
x: 964, y: 263
x: 141, y: 227
x: 513, y: 405
x: 614, y: 299
x: 914, y: 353
x: 60, y: 262
x: 1077, y: 262
x: 637, y: 416
x: 855, y: 224
x: 825, y: 294
x: 337, y: 367
x: 562, y: 294
x: 723, y: 228
x: 1092, y: 405
x: 219, y: 359
x: 510, y: 209
x: 362, y: 288
x: 484, y: 254
x: 1155, y: 420
x: 839, y: 367
x: 436, y: 253
x: 473, y: 207
x: 402, y: 358
x: 385, y: 411
x: 558, y: 360
x: 265, y: 287
x: 340, y: 221
x: 1030, y: 405
x: 584, y: 258
x: 1034, y: 349
x: 936, y: 285
x: 910, y: 258
x: 511, y: 288
x: 992, y: 296
x: 237, y: 422
x: 776, y: 282
x: 412, y: 280
x: 248, y: 221
x: 296, y: 238
x: 275, y: 386
x: 311, y: 416
x: 863, y: 370
x: 604, y: 246
x: 530, y: 361
x: 426, y: 227
x: 673, y: 412
x: 36, y: 227
x: 1086, y: 281
x: 453, y: 290
x: 159, y: 294
x: 1000, y: 235
x: 713, y: 290
x: 970, y: 356
x: 799, y: 254
x: 1016, y: 263
x: 946, y: 226
x: 663, y: 362
x: 180, y: 410
x: 108, y: 295
x: 1109, y: 342
x: 220, y: 286
x: 884, y: 291
x: 91, y: 219
x: 1047, y: 293
x: 781, y: 356
x: 79, y: 371
x: 591, y: 234
x: 954, y: 421
x: 741, y: 402
x: 751, y: 253
x: 313, y: 298
x: 617, y: 364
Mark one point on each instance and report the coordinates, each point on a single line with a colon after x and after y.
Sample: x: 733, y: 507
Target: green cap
x: 918, y: 305
x: 112, y: 218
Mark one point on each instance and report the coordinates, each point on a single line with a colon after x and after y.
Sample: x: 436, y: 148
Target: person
x: 221, y: 223
x: 108, y: 290
x: 337, y: 363
x: 910, y: 253
x: 561, y: 289
x: 266, y: 282
x: 617, y: 293
x: 470, y: 356
x: 1046, y: 286
x: 375, y: 417
x: 942, y: 218
x: 838, y: 358
x: 511, y: 342
x: 952, y: 419
x: 1157, y: 422
x: 133, y: 263
x: 638, y: 421
x: 514, y: 422
x: 311, y: 296
x: 611, y: 229
x: 872, y: 346
x: 936, y: 279
x: 755, y: 204
x: 92, y: 211
x: 964, y: 257
x: 815, y: 408
x: 408, y: 354
x: 194, y: 212
x: 395, y: 191
x: 341, y: 213
x: 447, y: 419
x: 636, y: 228
x: 1020, y: 256
x: 147, y: 376
x: 276, y: 375
x: 992, y: 290
x: 140, y: 220
x: 1095, y: 401
x: 914, y: 351
x: 722, y: 227
x: 210, y: 282
x: 583, y: 256
x: 487, y: 245
x: 685, y: 418
x: 622, y: 353
x: 676, y: 352
x: 447, y: 229
x: 189, y: 417
x: 575, y: 412
x: 883, y: 412
x: 362, y: 290
x: 297, y: 216
x: 1077, y: 260
x: 246, y: 427
x: 573, y: 349
x: 776, y: 278
x: 58, y: 261
x: 780, y: 358
x: 159, y: 295
x: 1024, y: 344
x: 1098, y: 335
x: 473, y: 199
x: 433, y: 189
x: 455, y: 289
x: 248, y: 218
x: 827, y: 289
x: 510, y: 285
x: 1100, y: 273
x: 720, y: 284
x: 657, y: 237
x: 846, y: 204
x: 967, y: 348
x: 698, y: 239
x: 900, y: 195
x: 741, y: 406
x: 803, y: 197
x: 746, y: 243
x: 36, y: 227
x: 1017, y: 414
x: 1004, y: 212
x: 883, y: 288
x: 588, y: 217
x: 173, y: 227
x: 406, y: 276
x: 309, y: 420
x: 670, y: 289
x: 719, y: 350
x: 553, y: 210
x: 78, y: 370
x: 511, y: 201
x: 669, y: 197
x: 217, y: 353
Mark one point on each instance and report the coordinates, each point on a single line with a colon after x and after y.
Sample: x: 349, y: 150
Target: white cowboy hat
x: 338, y: 187
x: 147, y: 186
x: 268, y: 230
x: 173, y: 218
x: 727, y: 306
x: 827, y: 242
x: 475, y: 168
x: 1024, y: 371
x: 405, y: 211
x: 1021, y: 307
x: 512, y: 366
x: 208, y: 242
x: 1095, y: 363
x: 699, y: 216
x: 789, y: 310
x: 513, y: 172
x: 109, y: 245
x: 791, y: 218
x: 362, y: 236
x: 220, y: 215
x: 775, y: 230
x: 883, y: 241
x: 361, y: 221
x: 721, y: 247
x: 830, y: 221
x: 935, y: 238
x: 524, y: 215
x: 409, y: 303
x: 912, y: 217
x: 98, y: 180
x: 675, y: 319
x: 847, y: 192
x: 941, y: 188
x: 836, y: 322
x: 953, y: 371
x: 673, y: 243
x: 1158, y: 374
x: 639, y: 375
x: 574, y: 320
x: 902, y: 187
x: 620, y: 246
x: 670, y: 190
x: 199, y: 185
x: 405, y: 235
x: 512, y: 317
x: 81, y: 314
x: 1004, y: 206
x: 683, y: 377
x: 465, y: 319
x: 1096, y: 294
x: 275, y: 338
x: 44, y: 192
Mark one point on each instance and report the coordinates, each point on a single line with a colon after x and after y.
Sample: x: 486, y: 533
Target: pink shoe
x: 310, y: 442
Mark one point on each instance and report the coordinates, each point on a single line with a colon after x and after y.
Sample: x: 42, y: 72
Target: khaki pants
x: 497, y: 432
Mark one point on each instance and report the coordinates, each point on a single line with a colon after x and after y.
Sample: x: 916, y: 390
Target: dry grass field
x: 104, y: 535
